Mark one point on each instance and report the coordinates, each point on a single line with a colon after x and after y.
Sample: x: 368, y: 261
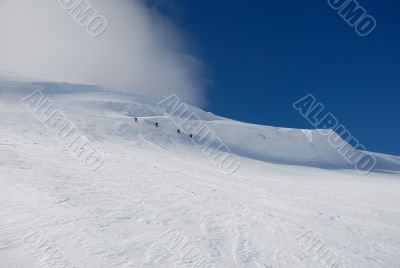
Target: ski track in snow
x: 56, y: 213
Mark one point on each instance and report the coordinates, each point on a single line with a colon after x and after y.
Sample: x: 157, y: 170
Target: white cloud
x: 141, y: 50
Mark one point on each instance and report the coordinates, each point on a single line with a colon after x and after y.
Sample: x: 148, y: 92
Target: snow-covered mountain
x: 157, y: 200
x: 104, y: 114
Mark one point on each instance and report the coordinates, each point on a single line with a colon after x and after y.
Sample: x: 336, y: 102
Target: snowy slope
x: 272, y: 144
x: 158, y: 202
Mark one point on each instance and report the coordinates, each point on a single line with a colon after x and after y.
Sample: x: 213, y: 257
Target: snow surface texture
x: 158, y: 201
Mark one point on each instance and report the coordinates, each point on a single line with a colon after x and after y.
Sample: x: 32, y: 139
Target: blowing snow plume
x: 140, y: 50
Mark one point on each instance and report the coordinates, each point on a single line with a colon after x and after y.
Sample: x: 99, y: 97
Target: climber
x: 136, y: 120
x: 179, y: 131
x: 191, y: 136
x: 156, y: 124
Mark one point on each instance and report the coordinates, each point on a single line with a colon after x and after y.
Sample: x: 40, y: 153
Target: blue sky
x: 261, y: 56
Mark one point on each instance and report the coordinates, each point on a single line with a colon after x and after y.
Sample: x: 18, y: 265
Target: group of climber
x: 157, y: 126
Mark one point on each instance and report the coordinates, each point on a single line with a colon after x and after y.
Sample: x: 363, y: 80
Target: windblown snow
x: 158, y: 201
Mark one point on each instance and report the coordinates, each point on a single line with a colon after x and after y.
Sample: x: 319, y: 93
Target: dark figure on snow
x: 191, y: 136
x: 156, y: 124
x: 179, y: 131
x: 136, y: 120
